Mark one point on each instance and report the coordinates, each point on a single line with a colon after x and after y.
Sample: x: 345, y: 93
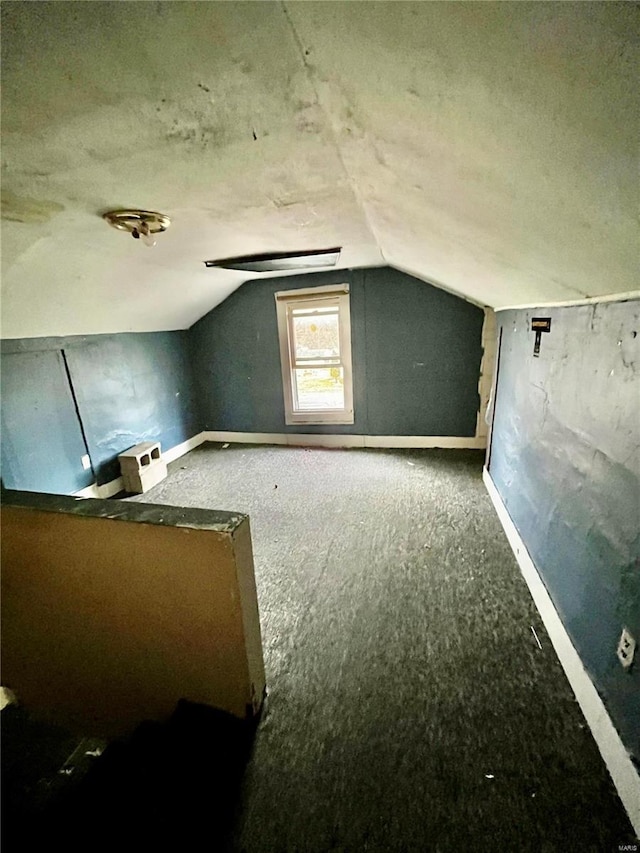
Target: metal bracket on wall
x: 539, y: 325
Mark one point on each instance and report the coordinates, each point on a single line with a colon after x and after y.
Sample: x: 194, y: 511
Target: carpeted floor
x: 410, y: 707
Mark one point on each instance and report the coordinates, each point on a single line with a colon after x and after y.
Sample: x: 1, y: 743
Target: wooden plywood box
x: 114, y: 611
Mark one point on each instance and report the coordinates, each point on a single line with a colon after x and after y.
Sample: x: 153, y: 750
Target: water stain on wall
x: 17, y: 208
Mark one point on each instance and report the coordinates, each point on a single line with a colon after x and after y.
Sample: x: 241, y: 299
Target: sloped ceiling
x: 489, y: 148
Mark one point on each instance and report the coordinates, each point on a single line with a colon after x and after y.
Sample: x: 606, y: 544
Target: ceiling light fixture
x: 141, y: 224
x: 278, y: 261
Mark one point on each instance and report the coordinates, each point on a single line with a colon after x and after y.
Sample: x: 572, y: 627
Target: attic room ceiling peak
x: 488, y: 148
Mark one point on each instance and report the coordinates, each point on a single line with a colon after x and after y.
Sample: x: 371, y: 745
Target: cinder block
x: 141, y: 481
x: 142, y: 467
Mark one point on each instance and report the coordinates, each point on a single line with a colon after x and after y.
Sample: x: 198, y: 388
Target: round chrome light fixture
x: 141, y: 224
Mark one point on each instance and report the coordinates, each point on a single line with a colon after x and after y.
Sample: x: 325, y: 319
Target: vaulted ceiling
x: 488, y: 148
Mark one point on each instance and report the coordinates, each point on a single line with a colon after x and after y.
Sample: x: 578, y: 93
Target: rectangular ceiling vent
x: 280, y: 261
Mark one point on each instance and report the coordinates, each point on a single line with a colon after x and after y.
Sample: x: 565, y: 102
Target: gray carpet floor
x: 409, y: 707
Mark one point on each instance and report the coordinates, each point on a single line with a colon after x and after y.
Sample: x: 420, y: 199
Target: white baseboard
x: 332, y: 440
x: 180, y: 449
x: 107, y: 490
x: 616, y: 757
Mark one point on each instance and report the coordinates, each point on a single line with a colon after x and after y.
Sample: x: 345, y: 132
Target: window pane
x: 327, y: 309
x: 316, y: 335
x: 320, y: 388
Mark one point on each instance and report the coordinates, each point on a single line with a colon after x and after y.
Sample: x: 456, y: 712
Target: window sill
x: 315, y: 418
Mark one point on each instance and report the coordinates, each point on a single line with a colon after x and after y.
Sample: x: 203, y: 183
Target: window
x: 315, y: 352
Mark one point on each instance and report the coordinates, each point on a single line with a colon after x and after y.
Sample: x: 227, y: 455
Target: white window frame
x: 313, y: 297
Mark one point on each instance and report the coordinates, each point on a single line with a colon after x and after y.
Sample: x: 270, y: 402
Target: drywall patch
x: 487, y: 369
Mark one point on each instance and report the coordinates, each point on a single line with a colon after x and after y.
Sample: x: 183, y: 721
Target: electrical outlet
x: 626, y: 649
x: 86, y: 462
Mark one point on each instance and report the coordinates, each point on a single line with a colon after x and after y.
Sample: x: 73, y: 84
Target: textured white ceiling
x: 489, y: 148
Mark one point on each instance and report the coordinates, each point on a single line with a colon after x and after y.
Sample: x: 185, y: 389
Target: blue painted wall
x: 565, y: 458
x: 40, y: 424
x: 416, y: 354
x: 128, y: 388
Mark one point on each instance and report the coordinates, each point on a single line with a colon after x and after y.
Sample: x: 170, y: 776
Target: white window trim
x: 286, y: 298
